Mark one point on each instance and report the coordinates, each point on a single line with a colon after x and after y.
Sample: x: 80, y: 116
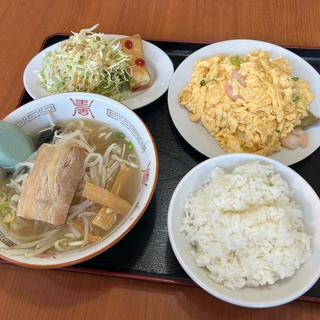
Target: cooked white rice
x: 245, y: 227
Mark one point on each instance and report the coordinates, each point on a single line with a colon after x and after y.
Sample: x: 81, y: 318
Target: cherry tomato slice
x: 140, y: 62
x: 128, y: 44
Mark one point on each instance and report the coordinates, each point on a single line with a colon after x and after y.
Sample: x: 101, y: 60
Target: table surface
x: 54, y: 294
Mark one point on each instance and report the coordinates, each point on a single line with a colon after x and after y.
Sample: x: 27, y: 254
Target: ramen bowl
x: 33, y: 117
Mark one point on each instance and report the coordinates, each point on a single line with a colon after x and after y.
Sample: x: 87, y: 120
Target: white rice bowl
x: 290, y: 267
x: 245, y: 227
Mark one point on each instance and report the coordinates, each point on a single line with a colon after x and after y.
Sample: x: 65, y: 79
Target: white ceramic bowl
x: 67, y: 106
x: 267, y: 296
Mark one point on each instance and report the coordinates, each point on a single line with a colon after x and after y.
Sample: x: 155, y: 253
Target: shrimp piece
x: 238, y: 77
x: 303, y: 141
x: 229, y: 92
x: 291, y: 141
x: 297, y: 138
x: 303, y: 137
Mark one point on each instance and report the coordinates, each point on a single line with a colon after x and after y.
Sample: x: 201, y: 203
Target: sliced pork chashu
x: 48, y: 191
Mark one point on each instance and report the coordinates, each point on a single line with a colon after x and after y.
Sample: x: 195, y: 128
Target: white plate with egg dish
x: 79, y: 177
x: 247, y: 96
x: 245, y: 228
x: 127, y: 69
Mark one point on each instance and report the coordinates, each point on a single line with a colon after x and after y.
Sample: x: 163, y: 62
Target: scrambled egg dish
x: 247, y: 103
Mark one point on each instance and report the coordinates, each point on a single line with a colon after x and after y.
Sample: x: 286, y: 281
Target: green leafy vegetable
x: 130, y: 145
x: 202, y: 82
x: 86, y: 63
x: 235, y: 61
x: 295, y: 78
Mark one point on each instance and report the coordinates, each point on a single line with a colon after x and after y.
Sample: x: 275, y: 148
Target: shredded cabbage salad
x: 87, y: 63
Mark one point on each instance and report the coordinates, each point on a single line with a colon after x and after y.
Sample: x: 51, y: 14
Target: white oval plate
x: 158, y: 63
x: 198, y: 137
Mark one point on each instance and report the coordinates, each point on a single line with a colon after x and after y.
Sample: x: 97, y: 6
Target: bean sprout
x: 75, y: 210
x: 85, y: 228
x: 129, y: 163
x: 107, y: 153
x: 75, y: 231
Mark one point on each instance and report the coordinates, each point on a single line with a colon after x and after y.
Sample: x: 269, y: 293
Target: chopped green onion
x: 204, y: 82
x: 116, y: 136
x: 3, y: 196
x: 4, y: 208
x: 235, y: 61
x: 295, y: 78
x: 130, y: 145
x: 295, y: 98
x: 9, y: 217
